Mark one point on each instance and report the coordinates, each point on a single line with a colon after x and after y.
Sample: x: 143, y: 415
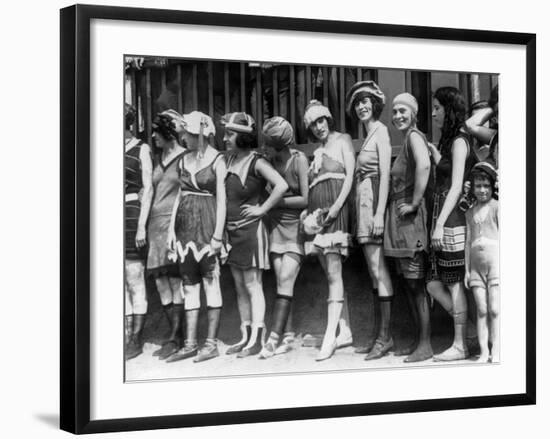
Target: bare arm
x: 421, y: 173
x: 434, y: 152
x: 349, y: 165
x: 278, y: 184
x: 299, y: 201
x: 147, y: 197
x: 474, y: 125
x: 422, y: 170
x: 221, y: 199
x: 467, y: 252
x: 459, y: 152
x: 384, y: 159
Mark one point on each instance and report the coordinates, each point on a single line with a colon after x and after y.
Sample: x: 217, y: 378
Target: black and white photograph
x: 288, y: 219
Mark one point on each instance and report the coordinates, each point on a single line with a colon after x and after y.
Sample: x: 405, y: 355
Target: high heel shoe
x: 326, y: 352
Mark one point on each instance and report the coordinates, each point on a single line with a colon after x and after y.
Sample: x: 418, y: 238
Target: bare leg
x: 480, y: 295
x: 440, y: 293
x: 458, y: 350
x: 424, y: 349
x: 494, y: 321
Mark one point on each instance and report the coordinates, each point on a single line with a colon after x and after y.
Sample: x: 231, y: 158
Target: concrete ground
x: 309, y: 317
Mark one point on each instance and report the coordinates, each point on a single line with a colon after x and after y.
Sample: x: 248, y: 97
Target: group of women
x: 204, y: 208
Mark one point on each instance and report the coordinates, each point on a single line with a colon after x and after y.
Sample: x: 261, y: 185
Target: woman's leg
x: 344, y: 336
x: 333, y: 264
x: 439, y: 292
x: 381, y: 278
x: 245, y: 311
x: 214, y: 304
x: 423, y: 350
x: 458, y: 350
x: 480, y: 295
x: 286, y: 268
x: 252, y: 278
x: 173, y: 311
x: 494, y: 321
x: 192, y: 307
x: 135, y: 278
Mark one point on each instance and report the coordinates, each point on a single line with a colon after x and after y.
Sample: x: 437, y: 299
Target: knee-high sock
x: 191, y: 323
x: 385, y: 316
x: 280, y: 313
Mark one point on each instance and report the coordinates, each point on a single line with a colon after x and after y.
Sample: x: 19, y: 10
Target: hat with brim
x: 369, y: 87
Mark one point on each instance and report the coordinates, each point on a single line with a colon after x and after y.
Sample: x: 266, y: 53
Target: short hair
x: 129, y: 115
x: 479, y: 105
x: 480, y: 174
x: 331, y: 127
x: 165, y: 126
x: 247, y: 140
x: 377, y: 105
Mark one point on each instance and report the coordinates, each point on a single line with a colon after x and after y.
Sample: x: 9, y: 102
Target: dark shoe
x: 420, y: 354
x: 168, y: 348
x: 208, y: 351
x: 407, y: 350
x: 187, y: 351
x: 133, y: 349
x: 364, y: 349
x: 246, y: 331
x: 160, y: 350
x: 380, y: 349
x: 256, y: 347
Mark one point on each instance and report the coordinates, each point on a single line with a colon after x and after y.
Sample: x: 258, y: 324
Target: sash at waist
x: 327, y: 176
x: 200, y: 194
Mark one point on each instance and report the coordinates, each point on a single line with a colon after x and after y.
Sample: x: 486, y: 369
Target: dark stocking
x: 280, y: 313
x: 385, y: 316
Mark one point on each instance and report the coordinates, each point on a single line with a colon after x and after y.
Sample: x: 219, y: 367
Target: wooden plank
x: 341, y: 98
x: 243, y: 88
x: 148, y: 107
x: 259, y: 104
x: 162, y: 80
x: 308, y: 84
x: 292, y: 93
x: 133, y: 97
x: 180, y: 89
x: 210, y: 88
x: 325, y: 86
x: 195, y: 87
x: 359, y: 74
x: 226, y: 87
x: 275, y: 91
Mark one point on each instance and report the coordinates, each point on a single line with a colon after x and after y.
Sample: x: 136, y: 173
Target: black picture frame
x: 75, y: 217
